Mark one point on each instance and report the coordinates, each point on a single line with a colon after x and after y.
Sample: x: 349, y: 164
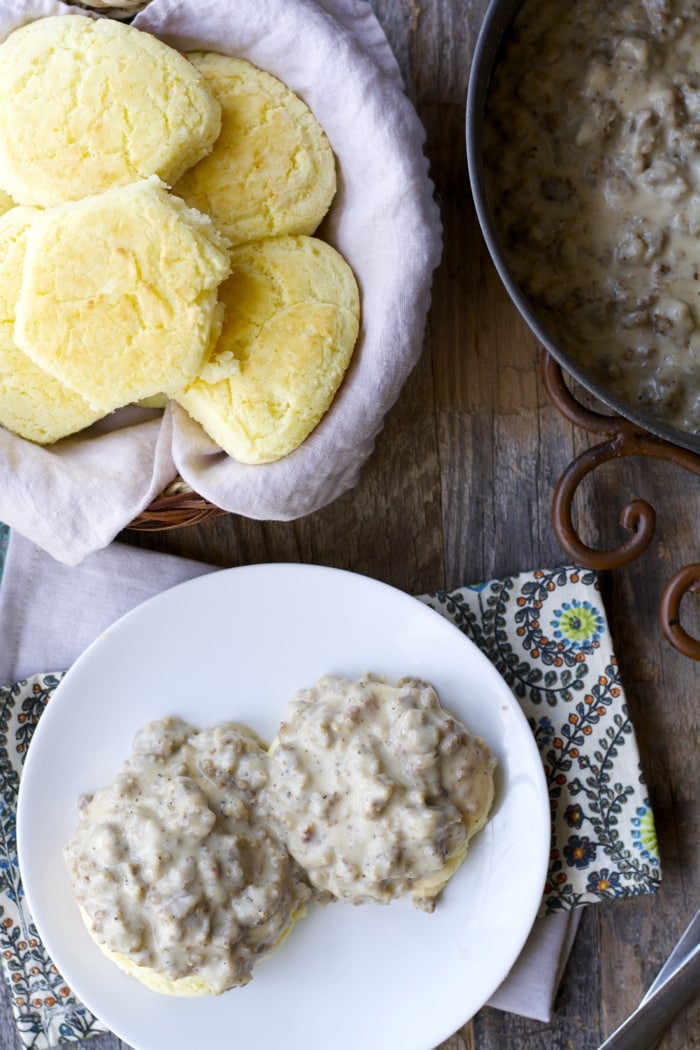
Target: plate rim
x: 295, y: 569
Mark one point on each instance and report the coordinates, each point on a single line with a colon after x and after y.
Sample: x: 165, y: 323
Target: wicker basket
x: 113, y: 8
x: 177, y: 506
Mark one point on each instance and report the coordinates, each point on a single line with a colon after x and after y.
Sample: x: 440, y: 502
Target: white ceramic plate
x: 235, y: 645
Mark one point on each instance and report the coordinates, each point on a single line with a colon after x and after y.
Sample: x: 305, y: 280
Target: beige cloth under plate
x: 74, y: 497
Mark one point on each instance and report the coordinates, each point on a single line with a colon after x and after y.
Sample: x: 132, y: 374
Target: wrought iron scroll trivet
x: 620, y: 438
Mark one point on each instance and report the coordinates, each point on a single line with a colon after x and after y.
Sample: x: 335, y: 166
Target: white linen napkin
x: 50, y: 613
x: 74, y: 497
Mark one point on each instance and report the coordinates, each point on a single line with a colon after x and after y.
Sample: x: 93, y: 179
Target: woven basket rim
x: 117, y: 5
x: 118, y: 10
x: 174, y: 510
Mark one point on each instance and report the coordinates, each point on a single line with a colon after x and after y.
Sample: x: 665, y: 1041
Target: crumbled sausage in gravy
x: 171, y: 863
x: 376, y: 789
x: 592, y: 149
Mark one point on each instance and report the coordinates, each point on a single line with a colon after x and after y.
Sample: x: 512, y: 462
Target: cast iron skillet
x: 498, y: 18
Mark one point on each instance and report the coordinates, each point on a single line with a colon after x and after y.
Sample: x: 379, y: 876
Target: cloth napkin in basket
x: 545, y: 631
x: 73, y: 497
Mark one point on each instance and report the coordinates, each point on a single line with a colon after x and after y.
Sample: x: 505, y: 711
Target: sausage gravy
x: 592, y: 159
x: 173, y: 867
x: 375, y: 789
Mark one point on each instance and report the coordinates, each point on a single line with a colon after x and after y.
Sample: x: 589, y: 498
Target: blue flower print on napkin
x: 547, y: 634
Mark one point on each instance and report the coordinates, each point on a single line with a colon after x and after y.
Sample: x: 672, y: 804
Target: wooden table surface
x: 459, y: 489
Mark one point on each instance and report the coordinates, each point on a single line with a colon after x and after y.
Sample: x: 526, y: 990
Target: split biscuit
x: 190, y: 985
x: 32, y: 403
x: 376, y: 789
x: 290, y: 326
x: 89, y: 104
x: 178, y: 878
x: 119, y: 294
x: 272, y: 170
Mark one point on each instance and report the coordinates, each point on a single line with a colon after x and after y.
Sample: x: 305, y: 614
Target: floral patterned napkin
x: 547, y: 634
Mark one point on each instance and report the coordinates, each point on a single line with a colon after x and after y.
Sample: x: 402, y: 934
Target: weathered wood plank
x: 459, y: 489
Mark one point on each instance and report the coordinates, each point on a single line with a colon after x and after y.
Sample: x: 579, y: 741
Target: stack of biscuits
x: 157, y: 213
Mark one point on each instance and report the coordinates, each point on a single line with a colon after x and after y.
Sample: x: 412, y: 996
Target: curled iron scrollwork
x: 619, y: 438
